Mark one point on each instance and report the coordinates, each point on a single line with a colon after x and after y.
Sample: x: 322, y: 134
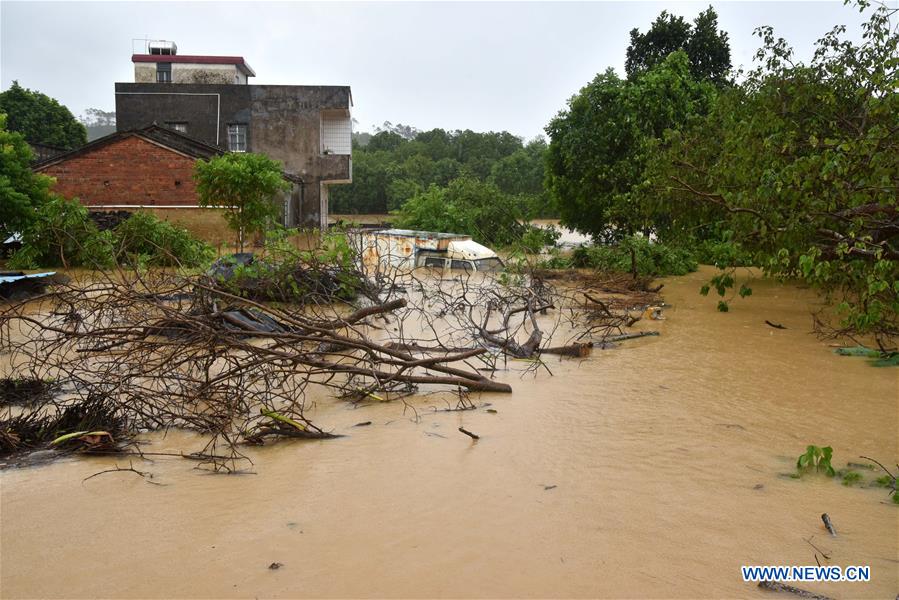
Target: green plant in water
x: 851, y: 478
x: 817, y: 459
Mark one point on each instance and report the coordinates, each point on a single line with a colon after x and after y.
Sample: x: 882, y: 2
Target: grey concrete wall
x: 283, y: 122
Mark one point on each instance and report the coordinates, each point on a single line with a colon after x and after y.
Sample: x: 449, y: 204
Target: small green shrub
x: 535, y: 239
x: 817, y: 459
x: 851, y: 478
x: 63, y: 235
x: 150, y: 241
x: 284, y: 273
x: 886, y: 481
x: 650, y: 258
x: 721, y: 252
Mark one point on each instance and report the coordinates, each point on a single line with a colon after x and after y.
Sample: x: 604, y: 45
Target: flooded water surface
x: 654, y: 469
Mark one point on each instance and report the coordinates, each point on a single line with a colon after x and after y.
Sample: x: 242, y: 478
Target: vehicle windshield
x: 489, y: 264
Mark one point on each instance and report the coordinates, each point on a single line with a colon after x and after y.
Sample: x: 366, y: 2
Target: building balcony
x: 336, y: 168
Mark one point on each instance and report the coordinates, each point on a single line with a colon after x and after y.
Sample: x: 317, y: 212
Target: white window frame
x: 237, y: 137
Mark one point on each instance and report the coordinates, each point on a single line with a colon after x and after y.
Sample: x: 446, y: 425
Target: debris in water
x: 473, y: 436
x: 16, y: 285
x: 775, y: 586
x: 828, y: 524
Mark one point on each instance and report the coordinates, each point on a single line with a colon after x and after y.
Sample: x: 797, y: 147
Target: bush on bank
x: 62, y: 234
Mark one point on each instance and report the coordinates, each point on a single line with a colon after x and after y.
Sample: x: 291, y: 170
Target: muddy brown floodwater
x: 650, y: 470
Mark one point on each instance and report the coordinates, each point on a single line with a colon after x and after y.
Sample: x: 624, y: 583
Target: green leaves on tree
x: 245, y: 185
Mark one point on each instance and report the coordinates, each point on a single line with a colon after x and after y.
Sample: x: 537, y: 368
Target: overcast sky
x: 482, y: 66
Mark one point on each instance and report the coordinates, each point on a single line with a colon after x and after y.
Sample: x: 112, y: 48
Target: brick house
x: 149, y: 168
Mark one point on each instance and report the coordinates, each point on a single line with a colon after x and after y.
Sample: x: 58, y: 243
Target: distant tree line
x: 399, y: 163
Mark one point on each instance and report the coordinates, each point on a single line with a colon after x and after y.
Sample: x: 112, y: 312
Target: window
x: 462, y: 265
x: 434, y: 263
x: 489, y: 264
x: 336, y: 133
x: 182, y: 127
x: 237, y: 137
x: 163, y: 72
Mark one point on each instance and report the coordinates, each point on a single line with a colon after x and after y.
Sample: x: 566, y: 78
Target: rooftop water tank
x: 162, y: 47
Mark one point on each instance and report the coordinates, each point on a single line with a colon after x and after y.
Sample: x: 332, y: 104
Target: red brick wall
x: 131, y: 171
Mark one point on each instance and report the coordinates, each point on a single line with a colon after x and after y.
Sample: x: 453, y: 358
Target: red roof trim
x: 197, y: 60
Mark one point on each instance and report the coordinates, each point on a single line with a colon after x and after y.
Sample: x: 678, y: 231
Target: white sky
x: 482, y: 66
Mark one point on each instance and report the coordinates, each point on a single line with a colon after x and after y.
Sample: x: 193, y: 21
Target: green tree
x: 521, y: 174
x: 706, y: 45
x: 22, y: 190
x: 801, y: 164
x: 245, y: 185
x: 468, y: 206
x: 385, y: 140
x: 372, y: 174
x: 600, y: 144
x: 62, y: 234
x: 399, y: 162
x: 40, y: 118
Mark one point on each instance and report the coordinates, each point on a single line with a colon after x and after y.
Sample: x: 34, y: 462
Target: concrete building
x: 307, y: 128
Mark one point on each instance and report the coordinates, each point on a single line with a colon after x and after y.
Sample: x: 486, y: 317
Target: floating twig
x: 473, y: 436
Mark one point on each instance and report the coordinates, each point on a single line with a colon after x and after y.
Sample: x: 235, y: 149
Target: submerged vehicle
x: 407, y: 249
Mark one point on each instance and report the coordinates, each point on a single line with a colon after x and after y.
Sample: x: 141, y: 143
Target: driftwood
x: 165, y: 349
x: 828, y: 525
x: 776, y: 586
x: 161, y: 351
x: 576, y: 349
x: 473, y: 436
x: 629, y: 336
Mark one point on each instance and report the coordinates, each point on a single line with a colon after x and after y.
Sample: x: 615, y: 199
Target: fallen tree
x: 166, y: 349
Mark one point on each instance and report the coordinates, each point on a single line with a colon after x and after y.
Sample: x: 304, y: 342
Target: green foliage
x: 535, y: 239
x: 245, y: 184
x: 705, y: 45
x: 885, y: 481
x: 284, y: 273
x: 601, y: 144
x: 720, y: 252
x: 63, y: 235
x: 21, y: 190
x: 400, y: 162
x: 801, y: 163
x: 650, y: 258
x: 150, y: 241
x: 40, y: 118
x: 816, y: 459
x: 851, y: 478
x: 467, y: 205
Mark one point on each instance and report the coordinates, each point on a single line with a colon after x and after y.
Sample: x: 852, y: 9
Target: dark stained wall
x: 283, y: 122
